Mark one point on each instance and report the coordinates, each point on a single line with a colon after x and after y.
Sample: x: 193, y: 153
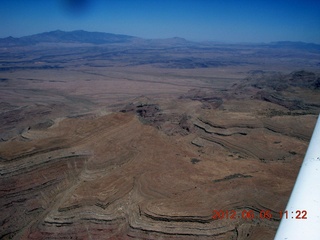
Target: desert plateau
x: 106, y: 136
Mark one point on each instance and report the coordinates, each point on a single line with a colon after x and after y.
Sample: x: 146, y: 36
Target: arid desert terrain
x: 107, y: 136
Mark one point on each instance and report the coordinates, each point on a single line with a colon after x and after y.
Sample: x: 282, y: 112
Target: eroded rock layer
x: 116, y: 177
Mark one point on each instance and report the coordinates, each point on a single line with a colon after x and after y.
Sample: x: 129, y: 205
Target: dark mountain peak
x: 51, y: 36
x: 81, y: 36
x: 77, y: 36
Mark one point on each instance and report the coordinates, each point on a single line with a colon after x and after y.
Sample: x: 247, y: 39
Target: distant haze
x: 199, y: 20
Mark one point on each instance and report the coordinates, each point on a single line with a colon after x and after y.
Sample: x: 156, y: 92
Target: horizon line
x: 164, y: 38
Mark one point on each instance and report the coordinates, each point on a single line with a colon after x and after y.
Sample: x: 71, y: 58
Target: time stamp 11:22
x: 263, y: 214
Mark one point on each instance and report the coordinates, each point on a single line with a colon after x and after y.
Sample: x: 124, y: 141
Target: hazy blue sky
x: 217, y: 20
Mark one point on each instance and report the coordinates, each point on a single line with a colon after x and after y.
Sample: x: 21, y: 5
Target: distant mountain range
x: 82, y: 37
x: 59, y: 36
